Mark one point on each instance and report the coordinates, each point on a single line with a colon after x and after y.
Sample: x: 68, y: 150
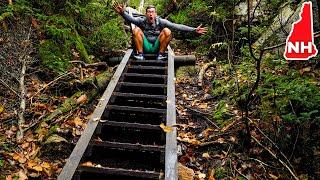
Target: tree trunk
x: 10, y: 2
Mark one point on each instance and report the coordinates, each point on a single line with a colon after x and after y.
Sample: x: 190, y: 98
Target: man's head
x: 151, y: 13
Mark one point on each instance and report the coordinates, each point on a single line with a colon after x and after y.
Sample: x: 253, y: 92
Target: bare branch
x: 47, y: 85
x: 5, y: 84
x: 275, y: 156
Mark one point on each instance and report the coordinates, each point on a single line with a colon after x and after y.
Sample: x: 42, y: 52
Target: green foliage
x: 295, y: 99
x: 109, y: 35
x: 52, y: 56
x: 221, y: 114
x: 220, y: 173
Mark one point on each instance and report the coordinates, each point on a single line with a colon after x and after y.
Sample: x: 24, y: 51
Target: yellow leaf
x: 166, y: 128
x: 31, y: 164
x: 37, y: 168
x: 77, y: 121
x: 1, y: 108
x: 45, y: 165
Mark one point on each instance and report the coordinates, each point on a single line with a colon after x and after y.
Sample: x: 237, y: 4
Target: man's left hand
x: 201, y: 30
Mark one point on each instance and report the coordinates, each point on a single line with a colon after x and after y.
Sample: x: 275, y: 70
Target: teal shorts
x: 149, y: 48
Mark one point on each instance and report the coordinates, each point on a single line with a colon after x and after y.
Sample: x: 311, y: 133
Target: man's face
x: 151, y: 15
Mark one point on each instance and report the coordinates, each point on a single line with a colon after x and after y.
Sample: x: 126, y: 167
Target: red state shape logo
x: 299, y: 44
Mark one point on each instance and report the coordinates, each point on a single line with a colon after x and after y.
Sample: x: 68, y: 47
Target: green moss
x: 52, y: 56
x: 220, y: 173
x: 186, y: 71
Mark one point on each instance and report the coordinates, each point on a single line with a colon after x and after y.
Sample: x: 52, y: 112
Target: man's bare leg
x: 138, y: 39
x: 164, y: 38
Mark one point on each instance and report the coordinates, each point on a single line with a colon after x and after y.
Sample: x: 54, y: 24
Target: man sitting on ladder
x: 152, y: 34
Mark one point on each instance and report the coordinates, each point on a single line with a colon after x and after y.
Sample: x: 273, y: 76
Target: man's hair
x: 149, y: 7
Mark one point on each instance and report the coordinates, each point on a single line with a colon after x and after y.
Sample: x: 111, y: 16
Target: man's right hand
x: 119, y: 7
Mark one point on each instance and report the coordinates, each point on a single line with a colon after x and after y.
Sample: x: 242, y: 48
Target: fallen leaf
x: 31, y: 164
x: 165, y: 128
x: 206, y: 155
x: 201, y: 175
x: 19, y: 157
x: 232, y: 139
x: 203, y: 106
x: 22, y: 175
x: 88, y: 163
x: 273, y: 176
x: 37, y: 168
x: 25, y: 145
x: 41, y: 134
x: 82, y: 99
x: 307, y: 69
x: 185, y: 173
x: 55, y: 139
x: 1, y: 108
x: 211, y: 174
x: 9, y: 177
x: 9, y: 134
x: 221, y: 140
x: 45, y: 165
x: 34, y: 23
x: 77, y: 121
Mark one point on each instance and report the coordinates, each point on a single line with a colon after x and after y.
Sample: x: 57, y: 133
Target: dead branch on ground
x: 23, y: 59
x: 204, y: 69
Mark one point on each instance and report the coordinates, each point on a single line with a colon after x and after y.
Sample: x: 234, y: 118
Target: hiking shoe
x: 161, y: 56
x: 139, y: 56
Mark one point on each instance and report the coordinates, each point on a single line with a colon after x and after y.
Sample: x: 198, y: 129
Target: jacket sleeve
x: 179, y: 27
x: 135, y: 20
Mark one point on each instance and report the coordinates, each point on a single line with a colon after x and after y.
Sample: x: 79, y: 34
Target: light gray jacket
x: 152, y: 30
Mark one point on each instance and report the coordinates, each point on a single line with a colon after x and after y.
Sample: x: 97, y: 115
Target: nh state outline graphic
x: 300, y: 42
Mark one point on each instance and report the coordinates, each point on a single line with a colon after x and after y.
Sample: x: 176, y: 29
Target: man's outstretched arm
x: 120, y: 9
x: 181, y: 27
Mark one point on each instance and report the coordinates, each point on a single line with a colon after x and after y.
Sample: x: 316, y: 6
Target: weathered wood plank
x: 120, y: 171
x: 141, y: 85
x: 130, y: 125
x: 77, y: 153
x: 136, y: 109
x: 145, y: 96
x: 144, y: 75
x: 140, y: 147
x: 171, y: 158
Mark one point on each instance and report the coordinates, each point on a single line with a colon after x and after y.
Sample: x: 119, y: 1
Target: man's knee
x: 166, y: 32
x: 137, y: 31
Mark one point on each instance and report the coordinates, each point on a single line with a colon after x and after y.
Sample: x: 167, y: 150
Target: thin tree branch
x: 275, y: 156
x: 5, y: 84
x: 47, y: 85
